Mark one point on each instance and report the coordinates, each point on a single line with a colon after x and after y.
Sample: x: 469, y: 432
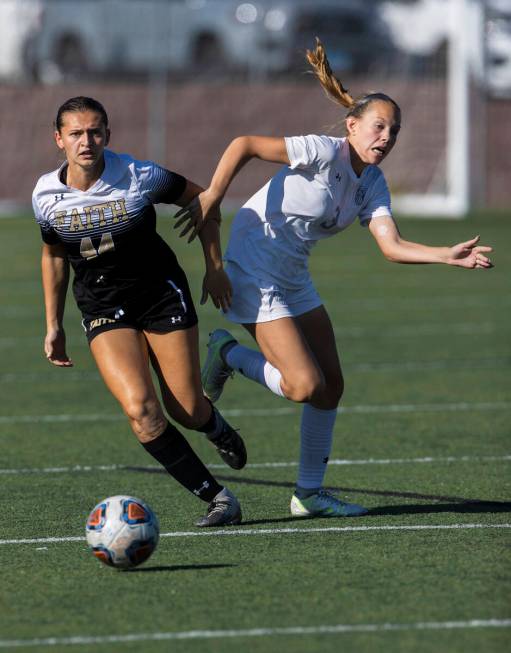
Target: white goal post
x: 465, y: 62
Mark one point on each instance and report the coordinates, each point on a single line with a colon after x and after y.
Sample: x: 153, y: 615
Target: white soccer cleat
x: 324, y: 504
x: 224, y: 510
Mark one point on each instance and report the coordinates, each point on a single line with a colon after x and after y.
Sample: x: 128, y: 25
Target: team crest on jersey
x: 360, y: 195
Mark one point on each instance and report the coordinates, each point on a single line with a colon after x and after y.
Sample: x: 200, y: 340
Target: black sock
x: 212, y: 424
x: 172, y: 451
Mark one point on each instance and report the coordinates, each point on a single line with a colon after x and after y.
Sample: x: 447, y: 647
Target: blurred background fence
x: 181, y: 78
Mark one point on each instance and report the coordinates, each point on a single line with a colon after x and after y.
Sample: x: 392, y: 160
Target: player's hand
x: 55, y: 348
x: 217, y: 285
x: 470, y: 255
x: 203, y: 207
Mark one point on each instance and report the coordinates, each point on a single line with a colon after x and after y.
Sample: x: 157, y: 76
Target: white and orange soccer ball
x: 122, y: 531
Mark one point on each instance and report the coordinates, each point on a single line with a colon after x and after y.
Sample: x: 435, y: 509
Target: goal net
x: 439, y: 73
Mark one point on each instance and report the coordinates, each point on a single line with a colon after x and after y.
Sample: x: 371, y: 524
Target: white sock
x: 254, y: 365
x: 316, y: 429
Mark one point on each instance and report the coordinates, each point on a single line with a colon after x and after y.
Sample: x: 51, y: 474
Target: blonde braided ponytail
x: 333, y: 88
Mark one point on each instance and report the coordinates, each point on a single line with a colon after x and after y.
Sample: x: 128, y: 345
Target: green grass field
x: 422, y: 441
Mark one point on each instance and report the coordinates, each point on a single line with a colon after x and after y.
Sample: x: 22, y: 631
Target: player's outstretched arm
x: 238, y: 153
x: 468, y: 254
x: 55, y: 275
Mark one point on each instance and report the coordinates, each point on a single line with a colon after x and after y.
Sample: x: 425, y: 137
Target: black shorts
x: 167, y: 308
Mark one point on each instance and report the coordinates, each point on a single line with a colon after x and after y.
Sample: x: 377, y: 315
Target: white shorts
x: 261, y: 300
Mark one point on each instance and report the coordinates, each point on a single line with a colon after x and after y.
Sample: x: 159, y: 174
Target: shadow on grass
x: 175, y: 568
x: 469, y: 507
x: 472, y: 507
x: 446, y: 503
x: 505, y: 506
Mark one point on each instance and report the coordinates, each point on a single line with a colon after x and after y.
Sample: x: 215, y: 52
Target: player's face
x: 83, y: 137
x: 373, y: 135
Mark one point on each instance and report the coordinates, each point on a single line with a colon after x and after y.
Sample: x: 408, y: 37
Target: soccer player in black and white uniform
x: 325, y: 184
x: 96, y: 213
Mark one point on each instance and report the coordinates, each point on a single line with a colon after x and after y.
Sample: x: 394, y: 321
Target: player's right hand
x: 55, y: 348
x: 217, y: 285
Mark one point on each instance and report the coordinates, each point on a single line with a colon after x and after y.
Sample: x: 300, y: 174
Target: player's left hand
x: 217, y: 285
x: 193, y: 216
x: 470, y: 255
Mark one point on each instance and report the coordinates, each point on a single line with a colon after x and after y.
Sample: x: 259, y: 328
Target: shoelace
x: 226, y: 374
x: 225, y: 437
x: 329, y: 498
x: 218, y: 505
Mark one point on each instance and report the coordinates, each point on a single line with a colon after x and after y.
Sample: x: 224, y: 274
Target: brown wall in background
x: 200, y: 121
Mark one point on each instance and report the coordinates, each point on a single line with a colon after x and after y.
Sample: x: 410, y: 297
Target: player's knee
x: 145, y: 416
x: 329, y: 395
x: 303, y: 387
x: 332, y: 393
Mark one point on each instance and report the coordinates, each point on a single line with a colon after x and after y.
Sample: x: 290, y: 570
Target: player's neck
x: 356, y: 162
x: 82, y: 178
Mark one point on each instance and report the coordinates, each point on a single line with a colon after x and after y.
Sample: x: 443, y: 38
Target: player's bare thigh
x: 122, y: 358
x: 319, y: 334
x: 175, y: 358
x: 303, y: 349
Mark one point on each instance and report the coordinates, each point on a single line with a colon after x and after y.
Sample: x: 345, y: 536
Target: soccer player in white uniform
x: 325, y: 185
x: 96, y: 212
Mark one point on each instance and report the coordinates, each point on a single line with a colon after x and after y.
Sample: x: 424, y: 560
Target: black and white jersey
x: 109, y: 231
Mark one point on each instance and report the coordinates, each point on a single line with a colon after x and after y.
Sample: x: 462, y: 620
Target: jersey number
x: 87, y: 249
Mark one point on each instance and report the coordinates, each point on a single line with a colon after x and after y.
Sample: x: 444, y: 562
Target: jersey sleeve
x: 157, y: 184
x: 48, y: 234
x: 311, y: 152
x: 378, y: 202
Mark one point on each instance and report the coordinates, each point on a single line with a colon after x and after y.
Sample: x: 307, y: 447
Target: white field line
x: 398, y: 366
x: 337, y: 629
x: 275, y: 412
x: 267, y: 465
x: 234, y: 532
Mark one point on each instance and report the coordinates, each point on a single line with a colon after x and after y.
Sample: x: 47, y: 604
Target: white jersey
x: 315, y: 197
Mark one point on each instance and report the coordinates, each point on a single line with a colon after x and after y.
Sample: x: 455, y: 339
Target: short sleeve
x: 378, y: 202
x: 312, y: 152
x: 157, y: 184
x: 48, y: 234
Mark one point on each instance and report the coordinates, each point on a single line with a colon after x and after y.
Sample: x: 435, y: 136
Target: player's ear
x: 351, y: 123
x: 58, y: 139
x: 107, y: 139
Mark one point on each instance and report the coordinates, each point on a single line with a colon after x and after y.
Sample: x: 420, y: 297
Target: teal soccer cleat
x: 215, y: 372
x: 324, y: 504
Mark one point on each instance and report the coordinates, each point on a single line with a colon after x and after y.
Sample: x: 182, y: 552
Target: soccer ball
x: 122, y: 531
